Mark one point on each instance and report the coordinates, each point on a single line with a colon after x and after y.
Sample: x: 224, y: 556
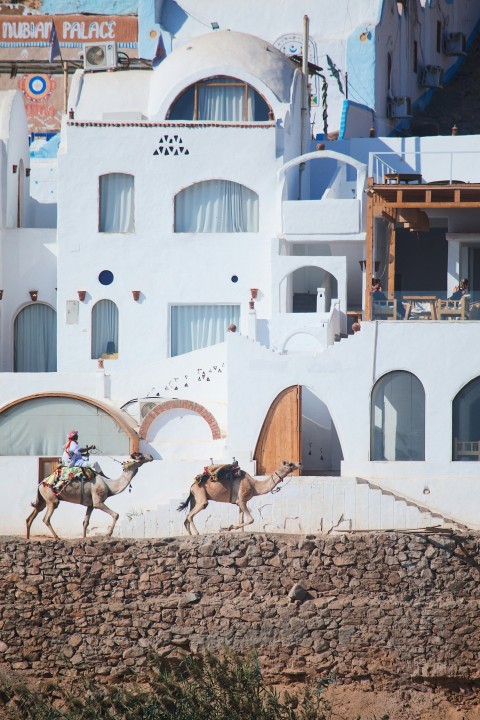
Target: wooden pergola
x: 406, y: 204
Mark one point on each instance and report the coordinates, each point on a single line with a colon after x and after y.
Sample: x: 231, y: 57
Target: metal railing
x: 450, y: 167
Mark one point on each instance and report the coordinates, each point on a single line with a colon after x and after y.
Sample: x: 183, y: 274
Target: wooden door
x: 46, y: 466
x: 281, y: 434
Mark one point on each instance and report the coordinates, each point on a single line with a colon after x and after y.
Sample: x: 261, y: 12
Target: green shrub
x: 210, y: 687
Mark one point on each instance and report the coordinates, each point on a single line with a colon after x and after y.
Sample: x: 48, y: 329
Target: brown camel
x: 93, y: 494
x: 237, y: 491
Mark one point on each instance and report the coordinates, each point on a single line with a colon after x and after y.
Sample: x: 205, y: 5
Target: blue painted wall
x: 100, y: 7
x: 361, y: 65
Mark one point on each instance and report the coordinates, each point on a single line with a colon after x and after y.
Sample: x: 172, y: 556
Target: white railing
x: 449, y: 167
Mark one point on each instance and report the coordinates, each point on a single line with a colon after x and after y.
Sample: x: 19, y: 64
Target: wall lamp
x: 1, y: 294
x: 34, y: 295
x: 215, y: 26
x: 254, y: 293
x: 136, y: 295
x: 81, y: 295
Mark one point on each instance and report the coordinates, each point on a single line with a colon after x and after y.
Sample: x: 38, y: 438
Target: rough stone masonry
x: 393, y: 608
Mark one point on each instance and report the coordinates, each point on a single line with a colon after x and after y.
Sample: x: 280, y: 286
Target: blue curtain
x: 216, y: 206
x: 198, y: 326
x: 104, y: 329
x: 117, y: 203
x: 35, y: 339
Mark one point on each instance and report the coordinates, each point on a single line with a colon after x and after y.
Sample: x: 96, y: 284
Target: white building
x: 185, y: 204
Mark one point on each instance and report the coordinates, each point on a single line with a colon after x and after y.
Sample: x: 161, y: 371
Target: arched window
x: 398, y: 418
x: 105, y: 330
x: 39, y: 426
x: 221, y: 99
x: 117, y: 212
x: 216, y: 206
x: 35, y: 339
x: 466, y: 423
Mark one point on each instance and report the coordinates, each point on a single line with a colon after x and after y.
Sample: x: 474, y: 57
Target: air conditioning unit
x: 432, y: 76
x: 454, y: 44
x: 99, y: 56
x: 399, y: 107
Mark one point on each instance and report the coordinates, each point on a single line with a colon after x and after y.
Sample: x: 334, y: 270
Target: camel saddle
x: 219, y: 473
x: 63, y: 475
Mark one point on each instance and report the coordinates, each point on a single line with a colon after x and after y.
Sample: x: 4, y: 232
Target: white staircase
x: 304, y: 505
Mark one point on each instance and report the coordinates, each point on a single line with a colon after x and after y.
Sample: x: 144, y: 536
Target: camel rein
x: 276, y: 487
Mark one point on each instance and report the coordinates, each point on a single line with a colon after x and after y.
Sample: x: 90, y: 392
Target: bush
x: 208, y: 687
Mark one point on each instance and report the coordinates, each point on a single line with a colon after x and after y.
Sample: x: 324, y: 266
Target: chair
x: 467, y: 449
x: 453, y: 309
x: 384, y: 309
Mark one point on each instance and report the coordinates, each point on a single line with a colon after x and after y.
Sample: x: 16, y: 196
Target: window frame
x: 99, y: 218
x: 215, y: 81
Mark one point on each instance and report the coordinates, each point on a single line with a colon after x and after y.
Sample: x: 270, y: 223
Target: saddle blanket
x: 218, y: 473
x: 59, y: 479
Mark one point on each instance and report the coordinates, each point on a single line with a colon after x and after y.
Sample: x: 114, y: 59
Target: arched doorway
x: 299, y: 427
x: 300, y: 289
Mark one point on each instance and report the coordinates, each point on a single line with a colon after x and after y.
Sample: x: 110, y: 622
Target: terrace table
x: 411, y: 300
x: 398, y: 178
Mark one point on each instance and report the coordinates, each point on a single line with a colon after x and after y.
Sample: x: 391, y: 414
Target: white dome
x: 221, y: 52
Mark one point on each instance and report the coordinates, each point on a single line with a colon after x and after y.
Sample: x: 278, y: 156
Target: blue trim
x: 343, y: 120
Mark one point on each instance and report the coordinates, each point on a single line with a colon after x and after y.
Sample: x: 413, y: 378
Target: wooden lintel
x: 428, y: 205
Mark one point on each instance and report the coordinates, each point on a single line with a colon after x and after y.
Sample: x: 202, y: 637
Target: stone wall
x: 388, y: 608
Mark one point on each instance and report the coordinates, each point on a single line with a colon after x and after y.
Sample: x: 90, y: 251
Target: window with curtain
x: 40, y: 426
x: 398, y: 418
x: 117, y: 212
x: 216, y: 206
x: 220, y: 99
x: 105, y: 330
x: 198, y: 326
x: 466, y: 423
x: 35, y: 339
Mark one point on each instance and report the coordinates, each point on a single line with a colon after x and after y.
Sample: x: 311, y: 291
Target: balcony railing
x: 425, y: 305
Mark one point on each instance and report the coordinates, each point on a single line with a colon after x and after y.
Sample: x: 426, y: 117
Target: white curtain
x: 104, y: 329
x: 216, y: 206
x: 198, y: 326
x: 398, y: 418
x: 35, y: 339
x: 40, y: 427
x: 117, y: 203
x: 221, y: 103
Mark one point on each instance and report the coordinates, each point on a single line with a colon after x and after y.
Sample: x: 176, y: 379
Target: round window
x: 106, y: 277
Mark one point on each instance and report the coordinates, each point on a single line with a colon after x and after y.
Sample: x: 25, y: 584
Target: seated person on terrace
x: 460, y: 290
x: 379, y: 295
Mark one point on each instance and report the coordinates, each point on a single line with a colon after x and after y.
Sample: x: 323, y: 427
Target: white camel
x: 237, y: 491
x: 91, y: 493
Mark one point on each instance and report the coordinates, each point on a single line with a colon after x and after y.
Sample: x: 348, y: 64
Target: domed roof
x: 222, y: 52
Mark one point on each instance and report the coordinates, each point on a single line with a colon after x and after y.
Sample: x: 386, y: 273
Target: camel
x: 92, y: 494
x: 237, y: 491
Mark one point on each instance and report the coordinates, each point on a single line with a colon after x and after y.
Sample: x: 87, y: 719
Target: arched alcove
x: 298, y: 290
x: 466, y: 423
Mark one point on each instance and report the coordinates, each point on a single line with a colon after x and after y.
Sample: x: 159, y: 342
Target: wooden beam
x: 391, y: 260
x: 369, y: 252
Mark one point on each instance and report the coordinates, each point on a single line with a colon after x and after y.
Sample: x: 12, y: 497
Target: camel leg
x: 201, y: 502
x: 114, y: 515
x: 37, y: 508
x: 51, y: 507
x: 87, y: 520
x: 244, y: 511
